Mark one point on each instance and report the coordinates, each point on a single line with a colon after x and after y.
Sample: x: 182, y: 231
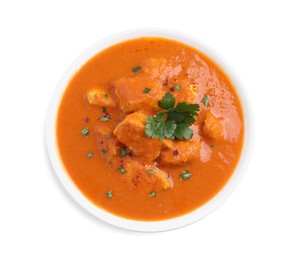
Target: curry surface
x: 216, y: 161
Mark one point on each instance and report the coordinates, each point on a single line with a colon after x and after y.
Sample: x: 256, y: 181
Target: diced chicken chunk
x: 212, y: 127
x: 130, y: 132
x: 159, y: 69
x: 180, y: 153
x: 167, y: 143
x: 154, y: 67
x: 187, y: 93
x: 138, y: 93
x: 147, y: 178
x: 99, y: 97
x: 163, y: 177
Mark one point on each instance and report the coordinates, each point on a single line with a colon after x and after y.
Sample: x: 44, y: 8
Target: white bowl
x: 147, y: 225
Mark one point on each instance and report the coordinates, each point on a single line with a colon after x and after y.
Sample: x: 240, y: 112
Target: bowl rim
x: 136, y: 225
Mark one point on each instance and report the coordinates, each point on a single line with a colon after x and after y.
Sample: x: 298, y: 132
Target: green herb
x: 90, y: 155
x: 104, y: 109
x: 106, y: 96
x: 135, y: 69
x: 213, y: 145
x: 167, y: 101
x: 123, y: 152
x: 205, y: 100
x: 177, y: 87
x: 105, y: 118
x: 122, y: 170
x: 146, y: 90
x: 184, y: 132
x: 160, y: 128
x: 85, y: 131
x: 174, y: 122
x: 186, y: 175
x: 104, y: 150
x: 152, y: 194
x: 109, y: 194
x: 150, y: 171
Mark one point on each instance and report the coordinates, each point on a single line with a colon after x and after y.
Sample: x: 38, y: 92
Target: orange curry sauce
x: 107, y: 80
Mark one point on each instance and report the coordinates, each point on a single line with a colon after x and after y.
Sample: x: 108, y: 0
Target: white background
x: 39, y: 39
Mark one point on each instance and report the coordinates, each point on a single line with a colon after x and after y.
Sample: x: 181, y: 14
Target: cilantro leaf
x: 167, y: 101
x: 189, y: 120
x: 159, y: 128
x: 109, y: 194
x: 187, y: 108
x: 147, y: 90
x: 174, y: 122
x: 135, y: 69
x: 177, y: 87
x: 150, y: 172
x: 152, y: 194
x: 123, y: 152
x: 177, y: 117
x: 186, y: 175
x: 183, y: 132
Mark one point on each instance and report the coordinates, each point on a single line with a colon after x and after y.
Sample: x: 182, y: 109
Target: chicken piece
x: 187, y: 93
x: 180, y: 153
x: 163, y: 177
x: 99, y: 97
x: 154, y: 67
x: 139, y: 93
x: 167, y: 143
x: 161, y: 70
x: 212, y: 127
x: 147, y: 178
x: 130, y: 132
x: 107, y: 143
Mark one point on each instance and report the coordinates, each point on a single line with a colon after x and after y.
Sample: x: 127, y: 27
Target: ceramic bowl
x: 148, y: 226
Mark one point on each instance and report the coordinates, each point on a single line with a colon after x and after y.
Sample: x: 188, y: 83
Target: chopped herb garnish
x: 122, y: 170
x: 152, y: 194
x: 135, y: 69
x: 186, y: 175
x: 106, y: 96
x: 150, y: 171
x: 213, y: 145
x: 104, y: 109
x: 167, y: 101
x: 123, y: 152
x: 174, y: 122
x: 205, y: 100
x: 109, y: 137
x: 177, y: 87
x: 146, y: 90
x: 104, y: 118
x: 85, y: 131
x: 109, y: 194
x: 158, y: 127
x: 104, y: 150
x: 90, y: 155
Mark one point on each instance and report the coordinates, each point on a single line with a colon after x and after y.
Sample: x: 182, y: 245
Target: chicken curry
x: 150, y: 129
